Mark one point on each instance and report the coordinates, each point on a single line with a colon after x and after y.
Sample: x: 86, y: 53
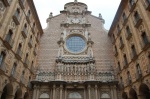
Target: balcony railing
x: 118, y: 32
x: 138, y: 76
x: 125, y: 21
x: 26, y: 63
x: 118, y: 69
x: 23, y: 80
x: 35, y: 51
x: 121, y: 45
x: 24, y: 33
x: 132, y: 6
x: 21, y: 2
x: 30, y: 43
x: 18, y: 54
x: 32, y: 69
x: 113, y: 41
x: 2, y: 67
x: 128, y: 35
x: 13, y: 76
x: 16, y: 18
x: 138, y: 20
x: 125, y: 64
x: 134, y: 56
x: 145, y: 44
x: 8, y: 42
x: 7, y: 2
x: 33, y: 30
x: 148, y: 68
x: 28, y: 19
x: 147, y: 4
x: 121, y: 86
x: 116, y: 53
x: 128, y: 82
x: 29, y: 85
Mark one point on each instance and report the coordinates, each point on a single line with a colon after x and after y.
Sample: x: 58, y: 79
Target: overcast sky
x: 107, y: 8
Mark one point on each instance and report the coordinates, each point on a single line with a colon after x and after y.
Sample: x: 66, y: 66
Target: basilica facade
x: 75, y: 58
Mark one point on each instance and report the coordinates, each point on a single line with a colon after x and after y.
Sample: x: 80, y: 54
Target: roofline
x: 32, y: 6
x: 117, y: 16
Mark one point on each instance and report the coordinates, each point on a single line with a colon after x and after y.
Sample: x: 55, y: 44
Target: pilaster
x: 89, y: 91
x: 54, y: 89
x: 61, y: 89
x: 38, y: 92
x: 34, y: 92
x: 96, y: 92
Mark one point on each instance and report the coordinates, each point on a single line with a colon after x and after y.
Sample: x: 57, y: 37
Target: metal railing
x: 3, y: 67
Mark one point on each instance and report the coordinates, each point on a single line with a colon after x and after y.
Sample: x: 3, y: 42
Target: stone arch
x: 7, y: 91
x: 26, y: 95
x: 133, y: 94
x: 18, y: 94
x: 124, y: 95
x: 144, y: 91
x: 44, y: 96
x: 74, y: 95
x: 105, y: 96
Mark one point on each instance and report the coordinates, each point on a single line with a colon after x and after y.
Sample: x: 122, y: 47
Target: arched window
x: 17, y: 13
x: 19, y: 49
x: 2, y: 57
x: 74, y: 95
x: 28, y: 14
x: 105, y: 96
x: 9, y: 35
x: 44, y: 96
x: 14, y: 69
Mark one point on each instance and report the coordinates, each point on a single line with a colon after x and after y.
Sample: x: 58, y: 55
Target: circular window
x: 75, y: 44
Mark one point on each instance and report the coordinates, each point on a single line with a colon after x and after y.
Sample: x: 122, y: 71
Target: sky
x: 107, y: 8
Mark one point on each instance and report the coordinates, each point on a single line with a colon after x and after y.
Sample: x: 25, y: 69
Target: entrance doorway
x: 7, y: 91
x: 144, y: 91
x: 74, y: 95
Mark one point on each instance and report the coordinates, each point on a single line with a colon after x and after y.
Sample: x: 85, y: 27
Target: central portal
x: 74, y: 95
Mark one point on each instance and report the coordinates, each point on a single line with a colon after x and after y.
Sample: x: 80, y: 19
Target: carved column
x: 54, y: 89
x: 89, y: 91
x: 61, y: 89
x: 37, y: 92
x: 34, y: 92
x: 65, y: 93
x: 115, y: 92
x: 111, y: 90
x: 84, y: 93
x: 96, y: 96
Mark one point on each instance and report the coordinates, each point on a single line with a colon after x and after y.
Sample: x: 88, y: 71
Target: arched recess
x: 26, y: 95
x: 105, y: 96
x: 74, y: 95
x: 7, y: 91
x: 18, y: 94
x: 124, y: 95
x: 44, y: 96
x: 133, y: 94
x: 144, y: 91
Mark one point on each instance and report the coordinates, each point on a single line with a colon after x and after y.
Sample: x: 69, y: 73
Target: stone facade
x: 130, y: 33
x: 20, y: 30
x: 66, y: 73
